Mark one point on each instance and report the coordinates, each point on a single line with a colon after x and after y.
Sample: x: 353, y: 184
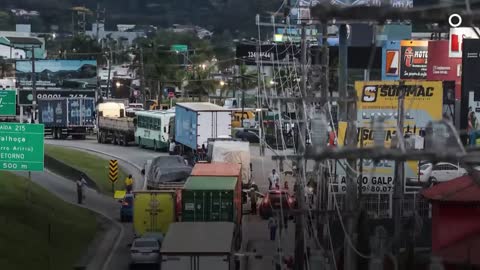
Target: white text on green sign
x: 21, y: 147
x: 8, y: 102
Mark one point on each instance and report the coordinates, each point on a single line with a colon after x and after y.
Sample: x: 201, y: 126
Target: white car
x: 440, y: 172
x: 145, y: 250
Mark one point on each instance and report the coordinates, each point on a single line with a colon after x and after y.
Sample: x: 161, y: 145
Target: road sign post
x: 21, y: 147
x: 8, y: 102
x: 113, y: 173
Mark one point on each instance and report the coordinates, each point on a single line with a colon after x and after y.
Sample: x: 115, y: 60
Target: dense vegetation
x: 218, y: 15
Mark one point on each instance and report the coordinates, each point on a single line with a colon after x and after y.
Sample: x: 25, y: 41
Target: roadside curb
x: 82, y: 263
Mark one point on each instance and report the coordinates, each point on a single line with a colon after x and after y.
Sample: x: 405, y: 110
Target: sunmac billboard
x: 57, y: 74
x: 391, y: 61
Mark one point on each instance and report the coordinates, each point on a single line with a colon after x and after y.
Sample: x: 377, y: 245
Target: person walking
x: 253, y: 201
x: 272, y: 226
x: 273, y: 179
x: 81, y: 183
x: 129, y: 183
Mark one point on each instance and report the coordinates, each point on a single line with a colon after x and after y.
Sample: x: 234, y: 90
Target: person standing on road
x: 81, y: 183
x: 272, y: 226
x: 253, y: 201
x: 273, y: 179
x: 129, y: 183
x: 171, y: 148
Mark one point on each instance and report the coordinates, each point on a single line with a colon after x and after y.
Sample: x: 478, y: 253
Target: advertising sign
x: 25, y: 97
x: 457, y: 35
x: 53, y: 112
x: 8, y: 100
x: 441, y: 67
x: 21, y: 147
x: 423, y: 102
x: 414, y: 55
x: 470, y: 79
x: 391, y: 61
x: 377, y: 177
x: 57, y: 73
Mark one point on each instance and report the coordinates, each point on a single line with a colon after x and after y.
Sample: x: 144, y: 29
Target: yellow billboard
x: 423, y: 102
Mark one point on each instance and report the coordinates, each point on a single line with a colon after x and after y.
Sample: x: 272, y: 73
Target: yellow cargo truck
x: 154, y: 211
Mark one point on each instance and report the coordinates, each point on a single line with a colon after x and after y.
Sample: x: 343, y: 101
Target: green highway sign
x: 8, y: 100
x: 179, y: 48
x: 21, y: 147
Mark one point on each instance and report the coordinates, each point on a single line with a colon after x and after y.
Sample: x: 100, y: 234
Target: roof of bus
x: 154, y: 113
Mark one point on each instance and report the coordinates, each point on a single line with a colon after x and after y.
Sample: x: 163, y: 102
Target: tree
x: 6, y: 22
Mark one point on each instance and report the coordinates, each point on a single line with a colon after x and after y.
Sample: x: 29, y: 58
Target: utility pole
x: 261, y: 129
x: 399, y: 172
x: 109, y: 73
x: 348, y: 112
x: 34, y: 88
x: 142, y: 79
x: 302, y: 130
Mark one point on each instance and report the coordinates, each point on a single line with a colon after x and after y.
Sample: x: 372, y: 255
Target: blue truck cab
x: 126, y: 210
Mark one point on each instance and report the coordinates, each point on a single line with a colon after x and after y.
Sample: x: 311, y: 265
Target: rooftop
x: 462, y: 189
x: 24, y: 40
x: 210, y: 183
x: 198, y: 237
x: 202, y: 106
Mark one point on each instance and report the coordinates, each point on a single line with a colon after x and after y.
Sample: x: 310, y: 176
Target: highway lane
x: 256, y: 230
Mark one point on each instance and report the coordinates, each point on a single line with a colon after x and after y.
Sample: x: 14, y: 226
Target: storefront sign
x: 414, y: 59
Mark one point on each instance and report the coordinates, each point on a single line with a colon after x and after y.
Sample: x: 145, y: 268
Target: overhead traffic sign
x: 179, y: 48
x: 113, y: 171
x: 8, y: 102
x: 21, y: 147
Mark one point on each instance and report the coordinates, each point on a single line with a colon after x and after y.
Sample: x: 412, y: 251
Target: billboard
x: 376, y: 177
x: 470, y: 80
x: 441, y: 67
x: 456, y: 37
x: 25, y: 97
x: 423, y: 102
x: 414, y: 56
x: 391, y: 61
x: 57, y: 74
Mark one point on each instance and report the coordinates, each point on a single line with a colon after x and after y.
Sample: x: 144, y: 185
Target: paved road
x: 255, y: 229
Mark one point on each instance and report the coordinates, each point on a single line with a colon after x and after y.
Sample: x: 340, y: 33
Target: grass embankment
x: 25, y: 227
x: 95, y: 167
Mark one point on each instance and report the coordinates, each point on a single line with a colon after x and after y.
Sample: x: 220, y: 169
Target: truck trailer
x: 199, y: 246
x: 64, y: 117
x: 113, y: 124
x: 195, y: 123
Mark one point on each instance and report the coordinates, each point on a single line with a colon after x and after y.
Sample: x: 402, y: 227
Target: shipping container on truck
x: 153, y: 211
x: 223, y: 169
x: 64, y: 117
x: 195, y: 123
x: 231, y: 151
x: 213, y: 198
x: 199, y: 246
x: 113, y: 124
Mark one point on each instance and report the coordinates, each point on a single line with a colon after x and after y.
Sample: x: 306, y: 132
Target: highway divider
x: 67, y: 171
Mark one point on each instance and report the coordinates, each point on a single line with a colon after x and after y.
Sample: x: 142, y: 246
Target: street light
x: 222, y: 83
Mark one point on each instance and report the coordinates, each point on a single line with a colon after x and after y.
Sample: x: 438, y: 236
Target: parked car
x: 126, y: 210
x: 145, y: 250
x: 250, y: 135
x: 275, y: 200
x: 440, y: 172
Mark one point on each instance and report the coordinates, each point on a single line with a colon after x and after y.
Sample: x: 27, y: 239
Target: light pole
x: 118, y: 84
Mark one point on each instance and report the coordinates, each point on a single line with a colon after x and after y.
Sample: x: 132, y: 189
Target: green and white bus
x: 152, y: 129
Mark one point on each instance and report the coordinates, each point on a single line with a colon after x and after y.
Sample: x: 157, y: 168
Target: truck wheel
x: 55, y: 133
x: 140, y: 143
x: 114, y: 140
x: 99, y: 137
x: 125, y: 141
x: 155, y: 146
